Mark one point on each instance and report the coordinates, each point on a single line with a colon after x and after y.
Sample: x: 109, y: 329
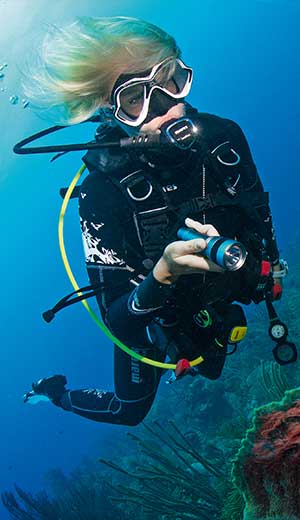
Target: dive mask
x: 131, y: 97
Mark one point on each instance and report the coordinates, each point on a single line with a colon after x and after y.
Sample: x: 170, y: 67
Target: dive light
x: 226, y: 252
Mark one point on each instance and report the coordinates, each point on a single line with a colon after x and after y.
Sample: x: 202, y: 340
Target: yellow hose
x: 103, y: 327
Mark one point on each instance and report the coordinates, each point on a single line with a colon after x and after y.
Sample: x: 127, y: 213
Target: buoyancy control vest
x: 160, y: 190
x: 220, y: 170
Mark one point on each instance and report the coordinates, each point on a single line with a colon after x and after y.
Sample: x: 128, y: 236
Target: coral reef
x: 234, y: 505
x: 163, y: 459
x: 266, y: 469
x: 168, y: 461
x: 269, y: 381
x: 83, y: 498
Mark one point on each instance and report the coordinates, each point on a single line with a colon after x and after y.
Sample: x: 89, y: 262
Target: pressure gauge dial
x: 285, y: 353
x: 278, y: 331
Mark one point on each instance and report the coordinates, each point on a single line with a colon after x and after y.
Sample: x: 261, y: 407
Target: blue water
x: 245, y: 55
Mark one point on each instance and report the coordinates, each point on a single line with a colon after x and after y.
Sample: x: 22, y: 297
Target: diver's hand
x: 27, y: 396
x: 185, y: 256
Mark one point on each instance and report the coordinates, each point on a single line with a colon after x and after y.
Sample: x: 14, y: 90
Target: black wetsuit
x: 149, y: 317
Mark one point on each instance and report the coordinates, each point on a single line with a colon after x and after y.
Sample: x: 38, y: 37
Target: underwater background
x: 245, y: 56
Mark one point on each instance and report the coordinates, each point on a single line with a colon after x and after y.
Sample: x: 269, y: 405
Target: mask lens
x: 132, y: 100
x: 180, y: 77
x: 172, y: 77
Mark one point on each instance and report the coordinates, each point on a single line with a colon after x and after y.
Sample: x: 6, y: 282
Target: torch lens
x: 234, y: 257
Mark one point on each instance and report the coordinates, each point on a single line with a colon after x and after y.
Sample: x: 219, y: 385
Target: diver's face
x: 146, y: 100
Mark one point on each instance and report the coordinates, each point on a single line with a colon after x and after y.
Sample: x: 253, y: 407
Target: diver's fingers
x: 206, y: 229
x: 199, y: 263
x: 188, y: 247
x: 185, y: 247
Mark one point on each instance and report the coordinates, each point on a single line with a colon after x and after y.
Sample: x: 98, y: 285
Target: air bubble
x: 14, y: 100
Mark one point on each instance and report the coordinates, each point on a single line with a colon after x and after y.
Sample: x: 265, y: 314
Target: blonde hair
x: 77, y: 65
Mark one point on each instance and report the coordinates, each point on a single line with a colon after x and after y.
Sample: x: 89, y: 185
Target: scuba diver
x: 175, y: 168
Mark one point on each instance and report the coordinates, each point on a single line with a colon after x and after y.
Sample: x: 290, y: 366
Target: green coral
x: 274, y: 380
x: 169, y: 462
x: 234, y: 505
x: 84, y: 498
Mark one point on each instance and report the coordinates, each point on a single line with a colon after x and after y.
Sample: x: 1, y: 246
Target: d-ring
x: 140, y: 198
x: 233, y: 163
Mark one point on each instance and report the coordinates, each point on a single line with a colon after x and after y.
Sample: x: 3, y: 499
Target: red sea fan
x: 272, y: 468
x: 266, y: 469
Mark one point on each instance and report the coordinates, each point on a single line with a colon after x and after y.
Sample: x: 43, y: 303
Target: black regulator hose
x: 181, y: 133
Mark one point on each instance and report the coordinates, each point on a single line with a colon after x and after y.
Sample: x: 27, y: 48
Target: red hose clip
x: 183, y: 366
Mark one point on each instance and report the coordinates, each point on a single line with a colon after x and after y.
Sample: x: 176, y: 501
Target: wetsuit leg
x: 135, y: 386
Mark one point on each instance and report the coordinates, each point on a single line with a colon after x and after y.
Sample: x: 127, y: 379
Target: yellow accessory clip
x: 102, y: 326
x: 237, y: 334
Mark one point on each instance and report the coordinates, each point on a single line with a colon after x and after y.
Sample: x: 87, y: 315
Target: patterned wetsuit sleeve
x: 102, y: 222
x: 102, y: 237
x: 252, y: 183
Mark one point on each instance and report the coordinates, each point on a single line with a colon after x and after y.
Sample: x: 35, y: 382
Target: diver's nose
x: 160, y: 103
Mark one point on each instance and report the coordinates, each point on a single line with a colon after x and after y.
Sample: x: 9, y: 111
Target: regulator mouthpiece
x: 226, y: 252
x: 180, y: 133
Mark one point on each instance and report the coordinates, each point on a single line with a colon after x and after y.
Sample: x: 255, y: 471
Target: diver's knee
x: 213, y: 376
x: 133, y: 421
x: 210, y: 371
x: 134, y: 413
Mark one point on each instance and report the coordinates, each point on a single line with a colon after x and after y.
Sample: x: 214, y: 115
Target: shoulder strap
x: 219, y: 156
x: 149, y: 207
